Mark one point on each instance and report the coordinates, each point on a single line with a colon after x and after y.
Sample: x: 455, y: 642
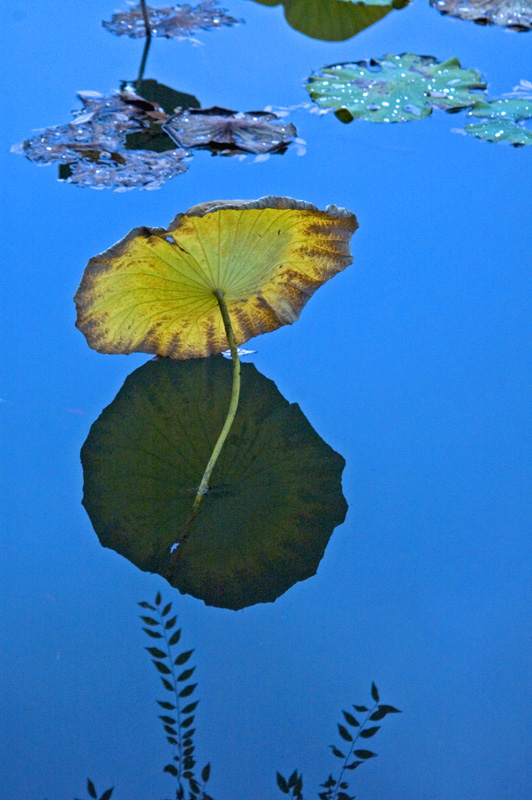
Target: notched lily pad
x: 395, y: 88
x: 275, y: 495
x: 175, y: 22
x: 334, y: 20
x: 227, y: 132
x: 155, y: 290
x: 502, y: 121
x: 91, y: 151
x: 514, y: 14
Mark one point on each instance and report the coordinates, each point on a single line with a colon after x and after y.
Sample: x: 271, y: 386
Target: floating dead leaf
x: 175, y: 22
x: 514, y: 14
x: 229, y: 132
x: 157, y: 291
x: 91, y: 150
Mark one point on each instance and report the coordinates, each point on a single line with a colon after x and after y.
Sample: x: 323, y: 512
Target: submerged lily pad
x: 333, y: 20
x: 175, y: 22
x: 92, y: 149
x: 515, y: 14
x: 155, y: 290
x: 275, y: 495
x: 395, y: 88
x: 227, y: 132
x: 502, y: 121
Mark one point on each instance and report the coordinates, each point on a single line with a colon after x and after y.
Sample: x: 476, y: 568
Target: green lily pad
x: 333, y: 20
x: 395, y: 88
x: 502, y: 121
x: 275, y: 494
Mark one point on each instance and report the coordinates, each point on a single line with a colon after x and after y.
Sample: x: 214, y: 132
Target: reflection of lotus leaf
x: 154, y: 291
x: 228, y: 132
x: 515, y: 14
x: 333, y: 20
x: 395, y: 88
x: 176, y: 22
x: 91, y: 149
x: 502, y: 121
x: 274, y: 499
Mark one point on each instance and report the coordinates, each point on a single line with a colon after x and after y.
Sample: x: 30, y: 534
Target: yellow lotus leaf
x: 156, y: 291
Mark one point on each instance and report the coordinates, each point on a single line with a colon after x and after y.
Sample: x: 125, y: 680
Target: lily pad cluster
x: 175, y: 22
x: 407, y: 87
x: 135, y: 138
x: 334, y: 20
x: 224, y: 510
x: 514, y: 14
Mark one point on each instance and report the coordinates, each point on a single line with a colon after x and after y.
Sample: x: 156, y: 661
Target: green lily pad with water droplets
x: 395, y: 88
x: 502, y: 121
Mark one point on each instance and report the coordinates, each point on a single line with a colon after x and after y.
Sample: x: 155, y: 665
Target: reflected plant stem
x: 235, y: 394
x: 147, y: 42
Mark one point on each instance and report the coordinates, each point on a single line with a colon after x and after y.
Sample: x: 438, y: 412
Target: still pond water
x: 413, y: 364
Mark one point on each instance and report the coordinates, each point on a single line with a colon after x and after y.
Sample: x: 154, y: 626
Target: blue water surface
x: 414, y: 364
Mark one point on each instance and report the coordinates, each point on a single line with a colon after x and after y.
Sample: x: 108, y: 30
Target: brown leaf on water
x: 227, y: 132
x: 175, y: 22
x: 515, y: 14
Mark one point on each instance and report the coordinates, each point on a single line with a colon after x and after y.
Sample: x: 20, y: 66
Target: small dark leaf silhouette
x: 350, y: 719
x: 149, y: 620
x: 175, y: 22
x: 162, y: 96
x: 91, y: 789
x: 168, y: 706
x: 162, y: 667
x: 186, y: 674
x: 153, y: 634
x: 369, y: 732
x: 344, y: 733
x: 183, y: 657
x: 364, y: 754
x: 354, y: 764
x: 227, y: 132
x: 205, y: 773
x: 191, y: 706
x: 282, y: 784
x: 174, y: 638
x: 170, y: 623
x: 170, y: 730
x: 361, y: 709
x: 187, y: 690
x: 171, y: 740
x: 107, y: 794
x: 168, y: 720
x: 167, y: 685
x: 171, y: 769
x: 344, y: 796
x: 374, y: 693
x: 147, y: 605
x: 187, y: 722
x: 154, y: 651
x: 166, y: 610
x: 336, y: 752
x: 381, y: 712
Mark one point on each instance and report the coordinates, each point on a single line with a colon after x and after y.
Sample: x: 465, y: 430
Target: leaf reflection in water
x: 274, y: 500
x: 175, y: 22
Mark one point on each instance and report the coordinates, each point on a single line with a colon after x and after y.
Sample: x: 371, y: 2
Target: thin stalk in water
x: 147, y: 42
x: 235, y: 394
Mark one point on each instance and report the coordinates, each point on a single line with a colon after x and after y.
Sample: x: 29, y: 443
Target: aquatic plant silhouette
x: 336, y: 788
x: 178, y: 719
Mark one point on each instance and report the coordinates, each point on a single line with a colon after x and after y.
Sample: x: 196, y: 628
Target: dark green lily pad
x: 333, y: 20
x: 395, y: 88
x: 275, y: 495
x: 502, y: 121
